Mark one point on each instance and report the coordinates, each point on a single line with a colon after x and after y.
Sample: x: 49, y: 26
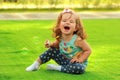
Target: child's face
x: 68, y: 23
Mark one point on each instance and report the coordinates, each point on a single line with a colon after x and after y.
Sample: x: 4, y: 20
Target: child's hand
x: 47, y: 43
x: 75, y: 59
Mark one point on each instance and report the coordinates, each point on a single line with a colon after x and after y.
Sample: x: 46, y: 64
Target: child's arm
x: 76, y: 57
x: 78, y: 54
x: 53, y: 44
x: 86, y: 50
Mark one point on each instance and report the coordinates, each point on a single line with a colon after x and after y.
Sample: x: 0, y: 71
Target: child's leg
x: 52, y: 53
x: 64, y: 63
x: 34, y: 66
x: 74, y: 68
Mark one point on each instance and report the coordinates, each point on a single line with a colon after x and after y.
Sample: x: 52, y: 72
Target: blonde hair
x: 80, y: 30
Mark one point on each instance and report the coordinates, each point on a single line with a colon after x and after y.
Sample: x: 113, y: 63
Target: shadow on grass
x: 21, y: 52
x: 5, y: 77
x: 5, y: 32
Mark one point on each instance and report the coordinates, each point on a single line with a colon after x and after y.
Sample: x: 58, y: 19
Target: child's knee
x: 81, y: 70
x: 78, y: 68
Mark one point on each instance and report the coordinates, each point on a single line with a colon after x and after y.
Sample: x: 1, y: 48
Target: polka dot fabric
x: 61, y: 59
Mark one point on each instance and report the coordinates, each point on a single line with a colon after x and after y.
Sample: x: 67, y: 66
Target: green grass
x: 22, y: 41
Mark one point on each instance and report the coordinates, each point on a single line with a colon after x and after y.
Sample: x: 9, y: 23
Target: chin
x: 67, y: 33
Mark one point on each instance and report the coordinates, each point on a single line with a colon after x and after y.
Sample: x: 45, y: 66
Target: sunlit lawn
x: 21, y: 42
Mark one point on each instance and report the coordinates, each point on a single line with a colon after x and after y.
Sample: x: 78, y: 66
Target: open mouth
x: 66, y: 27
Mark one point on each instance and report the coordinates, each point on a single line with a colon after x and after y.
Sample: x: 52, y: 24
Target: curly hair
x: 80, y: 29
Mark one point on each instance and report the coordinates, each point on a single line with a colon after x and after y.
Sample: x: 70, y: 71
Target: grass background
x: 22, y: 41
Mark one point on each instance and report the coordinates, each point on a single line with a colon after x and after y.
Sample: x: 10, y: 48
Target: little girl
x: 70, y: 50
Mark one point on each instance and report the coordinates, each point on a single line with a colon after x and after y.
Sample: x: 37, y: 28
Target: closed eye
x: 64, y: 20
x: 71, y: 21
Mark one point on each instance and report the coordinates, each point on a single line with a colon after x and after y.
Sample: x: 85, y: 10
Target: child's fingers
x: 47, y: 43
x: 73, y: 60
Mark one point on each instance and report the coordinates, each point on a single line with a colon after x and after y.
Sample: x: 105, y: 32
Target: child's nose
x: 67, y: 22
